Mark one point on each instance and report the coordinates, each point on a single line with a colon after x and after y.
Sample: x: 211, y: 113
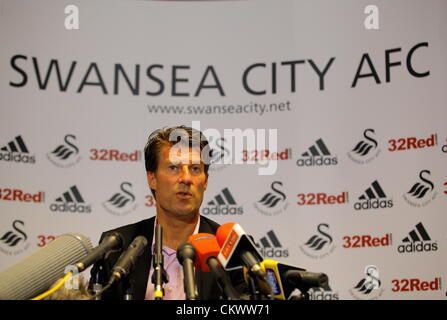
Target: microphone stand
x: 252, y: 286
x: 128, y: 286
x: 98, y: 276
x: 223, y: 281
x: 159, y: 276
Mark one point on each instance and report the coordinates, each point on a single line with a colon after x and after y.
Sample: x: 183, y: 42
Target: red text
x: 412, y: 143
x: 321, y: 198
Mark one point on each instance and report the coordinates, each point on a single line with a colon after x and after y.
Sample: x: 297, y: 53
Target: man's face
x: 179, y: 182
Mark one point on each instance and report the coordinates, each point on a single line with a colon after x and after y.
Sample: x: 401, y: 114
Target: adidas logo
x: 72, y: 195
x: 373, y: 193
x: 70, y: 201
x: 418, y: 240
x: 366, y: 150
x: 317, y: 155
x: 222, y: 204
x: 274, y: 242
x: 17, y: 145
x: 323, y: 294
x: 120, y: 203
x: 413, y: 235
x: 319, y: 150
x: 16, y: 151
x: 221, y: 198
x: 373, y: 198
x: 270, y: 247
x: 421, y: 193
x: 64, y: 155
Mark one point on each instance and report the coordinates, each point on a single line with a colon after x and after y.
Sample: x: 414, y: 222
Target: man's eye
x: 172, y: 167
x: 196, y: 169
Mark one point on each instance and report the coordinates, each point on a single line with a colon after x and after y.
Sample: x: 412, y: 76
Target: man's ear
x: 151, y: 180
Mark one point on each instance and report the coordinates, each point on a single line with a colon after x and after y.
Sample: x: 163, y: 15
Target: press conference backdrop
x: 360, y: 190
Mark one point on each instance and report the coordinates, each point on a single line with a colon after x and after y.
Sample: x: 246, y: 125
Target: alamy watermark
x: 236, y: 139
x: 72, y: 282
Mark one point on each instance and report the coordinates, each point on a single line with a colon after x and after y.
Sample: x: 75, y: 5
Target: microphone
x: 284, y: 278
x: 111, y: 241
x: 207, y: 249
x: 159, y: 276
x: 186, y: 255
x: 238, y: 249
x: 126, y: 262
x: 299, y: 278
x: 36, y: 273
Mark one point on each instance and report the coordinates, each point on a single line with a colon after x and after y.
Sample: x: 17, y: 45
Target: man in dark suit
x: 177, y: 162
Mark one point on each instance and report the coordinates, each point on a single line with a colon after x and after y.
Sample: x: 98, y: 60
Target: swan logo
x: 369, y: 287
x: 13, y: 242
x: 123, y: 202
x: 65, y: 155
x: 221, y: 155
x: 422, y: 192
x: 319, y: 245
x: 365, y: 150
x: 273, y: 202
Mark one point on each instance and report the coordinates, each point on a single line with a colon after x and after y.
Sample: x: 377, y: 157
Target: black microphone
x: 285, y: 278
x: 124, y: 266
x: 300, y: 278
x: 186, y: 255
x: 111, y: 241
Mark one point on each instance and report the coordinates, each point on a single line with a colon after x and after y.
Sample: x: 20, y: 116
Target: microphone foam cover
x: 223, y: 232
x: 36, y: 273
x: 206, y: 246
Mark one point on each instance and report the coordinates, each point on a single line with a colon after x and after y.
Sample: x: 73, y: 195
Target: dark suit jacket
x: 206, y: 284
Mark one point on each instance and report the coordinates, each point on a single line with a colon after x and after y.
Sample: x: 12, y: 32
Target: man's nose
x: 185, y: 176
